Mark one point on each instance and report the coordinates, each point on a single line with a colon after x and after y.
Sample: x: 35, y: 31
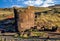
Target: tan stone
x: 26, y: 19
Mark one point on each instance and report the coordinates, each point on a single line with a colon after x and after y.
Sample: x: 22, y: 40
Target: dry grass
x: 49, y: 19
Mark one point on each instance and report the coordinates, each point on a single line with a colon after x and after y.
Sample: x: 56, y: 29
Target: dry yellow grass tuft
x: 49, y: 20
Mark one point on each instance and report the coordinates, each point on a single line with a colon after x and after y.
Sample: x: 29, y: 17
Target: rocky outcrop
x: 26, y: 19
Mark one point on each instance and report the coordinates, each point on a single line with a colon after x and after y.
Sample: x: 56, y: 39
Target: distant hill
x: 55, y: 6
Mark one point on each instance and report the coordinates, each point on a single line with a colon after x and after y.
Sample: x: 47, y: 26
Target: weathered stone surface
x: 26, y: 19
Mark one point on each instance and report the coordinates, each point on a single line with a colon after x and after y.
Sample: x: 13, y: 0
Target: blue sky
x: 24, y: 3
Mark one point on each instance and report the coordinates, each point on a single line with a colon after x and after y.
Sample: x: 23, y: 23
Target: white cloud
x: 45, y: 3
x: 32, y: 3
x: 16, y: 6
x: 48, y: 3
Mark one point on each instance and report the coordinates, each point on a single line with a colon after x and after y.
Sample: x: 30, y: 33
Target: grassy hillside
x: 6, y: 13
x: 49, y: 18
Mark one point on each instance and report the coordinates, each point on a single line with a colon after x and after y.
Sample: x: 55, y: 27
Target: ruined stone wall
x: 26, y: 19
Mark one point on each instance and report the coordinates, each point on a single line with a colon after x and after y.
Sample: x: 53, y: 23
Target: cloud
x: 33, y: 3
x: 48, y: 3
x: 40, y: 3
x: 16, y: 6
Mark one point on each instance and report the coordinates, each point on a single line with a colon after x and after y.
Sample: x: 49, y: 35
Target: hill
x: 33, y: 16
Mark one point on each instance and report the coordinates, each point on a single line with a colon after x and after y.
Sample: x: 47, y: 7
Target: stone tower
x: 26, y: 19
